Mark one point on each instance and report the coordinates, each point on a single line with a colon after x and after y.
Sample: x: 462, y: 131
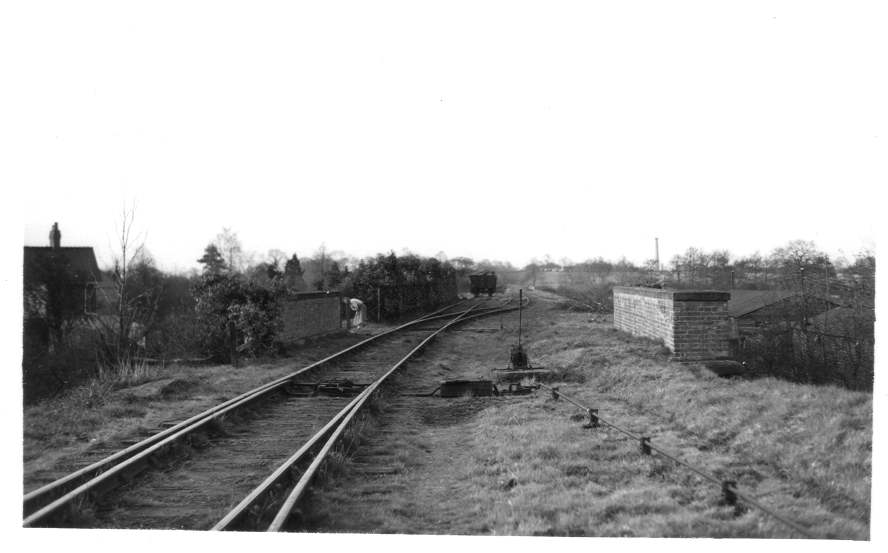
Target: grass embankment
x: 523, y: 465
x: 803, y: 450
x: 59, y: 433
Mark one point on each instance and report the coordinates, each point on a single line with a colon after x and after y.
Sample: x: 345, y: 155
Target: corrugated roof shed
x: 744, y: 302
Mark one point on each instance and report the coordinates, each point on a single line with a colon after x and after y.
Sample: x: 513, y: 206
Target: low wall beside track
x: 693, y: 324
x: 310, y: 314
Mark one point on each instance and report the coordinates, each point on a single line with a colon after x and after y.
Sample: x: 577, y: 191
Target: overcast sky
x: 505, y: 130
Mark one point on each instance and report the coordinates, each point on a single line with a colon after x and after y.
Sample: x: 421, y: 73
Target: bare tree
x: 121, y: 335
x: 276, y: 257
x: 128, y: 254
x: 230, y: 246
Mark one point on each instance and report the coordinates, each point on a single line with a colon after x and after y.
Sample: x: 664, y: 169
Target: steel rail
x: 242, y: 508
x: 65, y: 489
x: 743, y: 497
x: 232, y: 519
x: 234, y: 516
x: 287, y: 507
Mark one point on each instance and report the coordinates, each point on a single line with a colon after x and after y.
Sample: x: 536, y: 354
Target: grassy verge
x: 525, y: 465
x: 807, y: 446
x: 59, y: 433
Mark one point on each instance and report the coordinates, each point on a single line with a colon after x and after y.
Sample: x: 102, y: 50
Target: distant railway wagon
x: 483, y: 283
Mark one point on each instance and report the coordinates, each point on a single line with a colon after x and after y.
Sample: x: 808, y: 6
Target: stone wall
x: 310, y: 314
x: 693, y: 324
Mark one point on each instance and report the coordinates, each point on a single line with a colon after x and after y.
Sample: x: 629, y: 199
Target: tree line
x: 823, y: 332
x: 227, y: 309
x: 230, y: 307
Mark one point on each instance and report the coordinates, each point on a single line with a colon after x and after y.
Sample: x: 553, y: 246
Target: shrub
x: 235, y: 316
x: 397, y: 285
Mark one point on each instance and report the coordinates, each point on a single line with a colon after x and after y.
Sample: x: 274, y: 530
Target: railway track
x: 191, y: 474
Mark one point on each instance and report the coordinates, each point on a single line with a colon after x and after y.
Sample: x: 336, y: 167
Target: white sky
x: 505, y: 130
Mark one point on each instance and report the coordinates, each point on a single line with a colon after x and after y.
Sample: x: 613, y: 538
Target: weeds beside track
x: 55, y: 503
x: 646, y: 447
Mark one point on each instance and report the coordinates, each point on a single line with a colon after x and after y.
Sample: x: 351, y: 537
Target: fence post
x: 729, y: 492
x: 593, y: 419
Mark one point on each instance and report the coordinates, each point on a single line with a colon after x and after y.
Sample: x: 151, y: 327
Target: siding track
x: 191, y: 474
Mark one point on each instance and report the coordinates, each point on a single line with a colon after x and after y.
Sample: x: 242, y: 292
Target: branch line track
x: 48, y: 504
x: 264, y: 502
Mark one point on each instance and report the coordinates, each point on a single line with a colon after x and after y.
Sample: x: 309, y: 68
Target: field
x: 524, y: 465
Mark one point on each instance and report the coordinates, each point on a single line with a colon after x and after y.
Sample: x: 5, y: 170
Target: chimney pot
x: 55, y: 236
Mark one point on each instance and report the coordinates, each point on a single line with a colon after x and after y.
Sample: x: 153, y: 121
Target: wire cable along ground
x: 728, y: 487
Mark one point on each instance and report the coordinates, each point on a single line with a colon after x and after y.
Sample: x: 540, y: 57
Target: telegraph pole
x: 657, y: 252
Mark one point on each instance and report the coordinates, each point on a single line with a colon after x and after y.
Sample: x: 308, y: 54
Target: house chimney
x: 55, y: 236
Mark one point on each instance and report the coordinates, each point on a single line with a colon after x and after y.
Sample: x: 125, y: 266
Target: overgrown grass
x: 807, y: 448
x: 526, y: 466
x: 135, y: 400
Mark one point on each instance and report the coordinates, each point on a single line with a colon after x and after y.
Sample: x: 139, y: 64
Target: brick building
x: 693, y: 324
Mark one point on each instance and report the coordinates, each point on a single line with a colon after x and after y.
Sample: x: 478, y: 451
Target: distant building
x: 68, y: 276
x: 40, y: 261
x: 753, y: 311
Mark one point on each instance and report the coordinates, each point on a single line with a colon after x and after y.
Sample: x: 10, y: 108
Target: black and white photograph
x: 431, y: 275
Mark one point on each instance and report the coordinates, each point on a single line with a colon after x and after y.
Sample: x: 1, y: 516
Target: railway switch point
x: 467, y: 388
x: 479, y: 388
x: 334, y: 387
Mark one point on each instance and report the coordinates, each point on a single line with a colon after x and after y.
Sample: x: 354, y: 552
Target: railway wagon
x: 482, y: 283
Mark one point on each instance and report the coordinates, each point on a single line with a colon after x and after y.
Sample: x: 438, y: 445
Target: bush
x: 175, y: 336
x: 235, y: 316
x: 47, y: 373
x: 396, y: 286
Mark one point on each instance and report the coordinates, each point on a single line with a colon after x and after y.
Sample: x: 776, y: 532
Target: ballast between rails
x: 40, y: 504
x: 728, y: 487
x: 341, y: 420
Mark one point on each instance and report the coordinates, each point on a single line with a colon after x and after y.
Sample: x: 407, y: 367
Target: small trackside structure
x: 519, y: 364
x: 310, y: 314
x: 693, y: 324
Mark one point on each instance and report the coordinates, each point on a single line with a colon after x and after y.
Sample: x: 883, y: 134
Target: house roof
x: 81, y: 259
x: 743, y: 302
